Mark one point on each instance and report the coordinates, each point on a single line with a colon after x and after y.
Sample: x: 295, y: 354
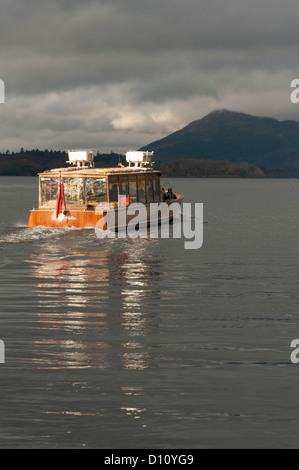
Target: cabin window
x: 141, y: 192
x: 156, y: 185
x: 73, y: 191
x: 113, y: 192
x: 48, y: 191
x: 149, y: 191
x: 95, y: 190
x: 133, y: 191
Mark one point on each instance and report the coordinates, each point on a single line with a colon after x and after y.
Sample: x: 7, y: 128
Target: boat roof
x: 84, y: 171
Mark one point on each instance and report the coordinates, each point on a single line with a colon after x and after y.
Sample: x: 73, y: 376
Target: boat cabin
x: 80, y: 195
x: 93, y: 187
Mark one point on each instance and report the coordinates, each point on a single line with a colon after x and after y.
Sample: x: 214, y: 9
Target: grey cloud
x: 115, y: 70
x: 93, y: 26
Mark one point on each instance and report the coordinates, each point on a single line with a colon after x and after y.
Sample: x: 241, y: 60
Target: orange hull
x: 74, y: 218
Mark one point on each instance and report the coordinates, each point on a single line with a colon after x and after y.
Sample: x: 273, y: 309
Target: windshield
x: 77, y: 191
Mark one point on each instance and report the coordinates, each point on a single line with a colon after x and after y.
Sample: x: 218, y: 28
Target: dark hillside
x: 238, y: 137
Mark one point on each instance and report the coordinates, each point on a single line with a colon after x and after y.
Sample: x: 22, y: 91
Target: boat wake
x: 24, y: 234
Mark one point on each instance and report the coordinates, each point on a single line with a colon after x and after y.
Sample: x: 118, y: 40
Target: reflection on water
x: 142, y: 344
x: 90, y: 298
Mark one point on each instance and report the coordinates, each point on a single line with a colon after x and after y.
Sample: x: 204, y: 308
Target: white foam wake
x: 23, y: 234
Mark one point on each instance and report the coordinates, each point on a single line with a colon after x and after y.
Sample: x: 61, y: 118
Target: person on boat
x: 124, y: 200
x: 165, y: 194
x: 171, y: 194
x: 168, y: 194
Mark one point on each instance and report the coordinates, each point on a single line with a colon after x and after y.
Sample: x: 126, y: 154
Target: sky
x: 114, y: 75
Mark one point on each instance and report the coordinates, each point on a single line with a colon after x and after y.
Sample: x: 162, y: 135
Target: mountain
x: 237, y: 137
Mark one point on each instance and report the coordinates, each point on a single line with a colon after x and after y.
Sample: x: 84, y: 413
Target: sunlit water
x: 128, y: 344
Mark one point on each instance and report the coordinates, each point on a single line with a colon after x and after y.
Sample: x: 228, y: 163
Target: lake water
x: 142, y: 344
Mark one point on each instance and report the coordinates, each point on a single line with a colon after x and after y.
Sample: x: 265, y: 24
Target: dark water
x: 129, y: 344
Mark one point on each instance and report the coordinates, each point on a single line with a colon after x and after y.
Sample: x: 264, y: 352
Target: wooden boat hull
x: 78, y: 218
x: 73, y: 218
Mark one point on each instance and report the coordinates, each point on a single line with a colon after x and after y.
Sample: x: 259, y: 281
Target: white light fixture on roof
x: 81, y: 158
x: 139, y: 158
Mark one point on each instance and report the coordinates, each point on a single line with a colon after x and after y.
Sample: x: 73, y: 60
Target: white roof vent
x: 81, y: 158
x: 139, y: 158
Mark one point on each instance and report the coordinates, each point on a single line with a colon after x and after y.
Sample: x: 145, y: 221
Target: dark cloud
x: 91, y: 27
x: 121, y: 71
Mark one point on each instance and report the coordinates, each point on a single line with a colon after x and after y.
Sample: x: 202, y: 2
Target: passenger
x: 171, y: 194
x: 124, y: 200
x: 165, y: 194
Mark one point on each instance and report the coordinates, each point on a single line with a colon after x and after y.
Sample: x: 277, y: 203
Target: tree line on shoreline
x: 31, y: 162
x: 191, y: 168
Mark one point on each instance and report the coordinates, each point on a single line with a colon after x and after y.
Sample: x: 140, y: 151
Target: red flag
x: 60, y: 198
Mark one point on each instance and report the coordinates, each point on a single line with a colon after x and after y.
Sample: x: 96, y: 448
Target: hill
x: 226, y: 135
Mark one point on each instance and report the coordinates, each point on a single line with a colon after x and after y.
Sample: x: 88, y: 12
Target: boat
x: 80, y: 195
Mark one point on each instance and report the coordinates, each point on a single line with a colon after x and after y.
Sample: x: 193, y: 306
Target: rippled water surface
x: 128, y: 344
